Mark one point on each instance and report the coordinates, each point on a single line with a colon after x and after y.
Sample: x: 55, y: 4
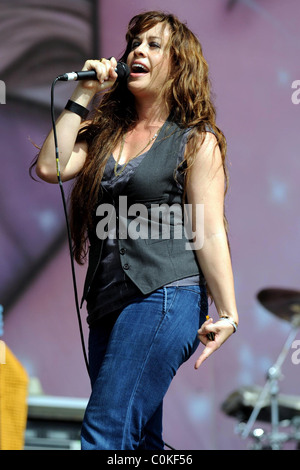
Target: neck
x: 151, y: 113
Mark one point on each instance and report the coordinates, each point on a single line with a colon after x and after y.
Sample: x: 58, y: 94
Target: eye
x: 135, y: 44
x: 154, y: 44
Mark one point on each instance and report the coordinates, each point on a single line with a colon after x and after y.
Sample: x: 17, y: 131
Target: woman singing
x: 150, y: 154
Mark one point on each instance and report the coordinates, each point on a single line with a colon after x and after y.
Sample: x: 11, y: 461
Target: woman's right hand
x: 106, y: 74
x: 73, y: 154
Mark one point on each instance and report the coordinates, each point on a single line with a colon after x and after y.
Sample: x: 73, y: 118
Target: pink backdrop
x: 253, y: 52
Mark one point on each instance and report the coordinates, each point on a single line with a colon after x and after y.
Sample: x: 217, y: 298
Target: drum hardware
x: 259, y: 437
x: 262, y: 440
x: 286, y: 305
x: 240, y: 405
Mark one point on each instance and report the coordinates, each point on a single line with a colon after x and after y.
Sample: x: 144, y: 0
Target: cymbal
x: 241, y: 402
x: 284, y: 303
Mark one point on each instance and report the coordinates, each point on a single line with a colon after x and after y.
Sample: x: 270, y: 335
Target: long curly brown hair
x: 187, y: 93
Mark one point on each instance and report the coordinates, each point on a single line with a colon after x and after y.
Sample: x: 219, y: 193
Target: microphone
x: 122, y: 70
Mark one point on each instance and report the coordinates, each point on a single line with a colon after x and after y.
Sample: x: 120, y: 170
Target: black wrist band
x: 77, y: 109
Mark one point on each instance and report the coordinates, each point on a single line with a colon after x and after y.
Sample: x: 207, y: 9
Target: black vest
x: 153, y: 247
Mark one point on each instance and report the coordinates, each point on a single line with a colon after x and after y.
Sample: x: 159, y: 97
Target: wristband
x: 231, y: 322
x: 77, y: 109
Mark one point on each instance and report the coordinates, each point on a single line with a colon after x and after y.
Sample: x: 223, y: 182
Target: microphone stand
x: 271, y: 388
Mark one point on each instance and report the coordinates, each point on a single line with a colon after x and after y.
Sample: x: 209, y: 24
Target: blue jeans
x: 133, y: 357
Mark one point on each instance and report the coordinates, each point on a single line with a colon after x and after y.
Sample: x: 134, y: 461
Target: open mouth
x: 138, y: 68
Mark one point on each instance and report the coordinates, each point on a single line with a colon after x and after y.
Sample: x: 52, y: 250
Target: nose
x: 140, y: 49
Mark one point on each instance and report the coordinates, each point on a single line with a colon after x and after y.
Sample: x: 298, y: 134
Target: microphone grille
x: 122, y: 71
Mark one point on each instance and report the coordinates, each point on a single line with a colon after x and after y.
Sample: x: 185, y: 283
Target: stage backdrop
x: 252, y: 47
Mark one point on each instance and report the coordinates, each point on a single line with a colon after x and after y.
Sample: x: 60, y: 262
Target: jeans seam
x: 165, y: 304
x: 165, y: 300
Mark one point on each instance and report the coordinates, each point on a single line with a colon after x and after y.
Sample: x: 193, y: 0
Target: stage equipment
x: 54, y: 423
x: 266, y: 404
x: 13, y: 396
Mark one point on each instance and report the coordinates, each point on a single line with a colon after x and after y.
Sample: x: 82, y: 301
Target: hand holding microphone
x: 103, y: 71
x: 99, y: 74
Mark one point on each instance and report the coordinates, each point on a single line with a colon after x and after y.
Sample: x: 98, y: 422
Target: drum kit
x: 279, y: 412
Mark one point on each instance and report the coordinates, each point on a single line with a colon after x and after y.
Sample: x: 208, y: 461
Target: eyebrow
x: 149, y: 38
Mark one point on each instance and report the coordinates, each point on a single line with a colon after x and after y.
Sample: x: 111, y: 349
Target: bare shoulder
x: 208, y: 151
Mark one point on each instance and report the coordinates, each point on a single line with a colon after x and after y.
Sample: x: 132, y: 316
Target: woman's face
x: 149, y: 61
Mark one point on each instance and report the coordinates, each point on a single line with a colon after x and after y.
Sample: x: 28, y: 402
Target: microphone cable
x: 123, y: 72
x: 67, y: 224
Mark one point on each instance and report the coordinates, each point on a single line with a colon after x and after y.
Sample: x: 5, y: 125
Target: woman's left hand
x: 221, y: 329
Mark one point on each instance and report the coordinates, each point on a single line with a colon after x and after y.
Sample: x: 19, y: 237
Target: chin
x: 138, y: 89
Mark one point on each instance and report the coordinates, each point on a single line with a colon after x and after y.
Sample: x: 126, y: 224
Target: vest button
x: 126, y: 266
x: 122, y: 251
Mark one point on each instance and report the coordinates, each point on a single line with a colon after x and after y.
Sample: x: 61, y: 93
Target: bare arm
x: 72, y: 155
x: 206, y: 186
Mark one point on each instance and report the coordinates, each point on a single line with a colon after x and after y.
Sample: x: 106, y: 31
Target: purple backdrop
x: 253, y: 52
